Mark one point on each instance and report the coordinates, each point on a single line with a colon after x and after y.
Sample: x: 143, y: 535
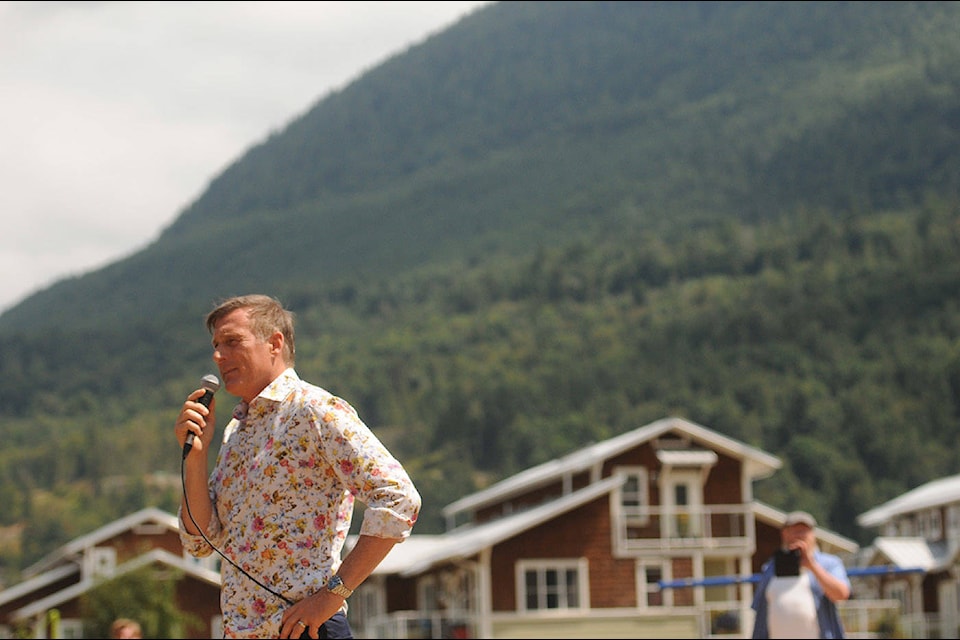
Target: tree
x: 147, y: 595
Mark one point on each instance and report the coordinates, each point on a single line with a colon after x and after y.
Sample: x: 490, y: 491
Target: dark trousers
x: 336, y: 627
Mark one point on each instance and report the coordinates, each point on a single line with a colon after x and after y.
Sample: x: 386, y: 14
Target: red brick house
x: 582, y: 545
x: 58, y: 582
x: 920, y: 538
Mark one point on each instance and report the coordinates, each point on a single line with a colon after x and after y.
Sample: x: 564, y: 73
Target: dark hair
x: 266, y: 316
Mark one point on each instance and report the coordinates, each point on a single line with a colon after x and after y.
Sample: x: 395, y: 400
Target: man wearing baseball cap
x: 800, y: 586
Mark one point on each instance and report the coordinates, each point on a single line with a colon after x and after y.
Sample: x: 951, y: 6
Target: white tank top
x: 791, y: 611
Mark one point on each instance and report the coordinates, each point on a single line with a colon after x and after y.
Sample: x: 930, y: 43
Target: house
x: 586, y: 545
x: 58, y: 582
x: 919, y: 537
x: 581, y: 546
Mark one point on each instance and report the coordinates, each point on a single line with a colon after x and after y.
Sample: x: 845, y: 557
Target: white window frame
x: 633, y: 504
x: 629, y: 507
x: 645, y: 588
x: 953, y: 522
x: 936, y: 525
x: 366, y: 605
x: 561, y: 567
x: 913, y: 526
x: 70, y: 628
x: 682, y: 520
x: 898, y: 591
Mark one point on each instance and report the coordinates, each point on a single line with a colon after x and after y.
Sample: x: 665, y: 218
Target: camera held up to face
x: 787, y: 562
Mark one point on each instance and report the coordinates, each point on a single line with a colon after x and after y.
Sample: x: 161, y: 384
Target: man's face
x: 795, y: 532
x: 247, y: 364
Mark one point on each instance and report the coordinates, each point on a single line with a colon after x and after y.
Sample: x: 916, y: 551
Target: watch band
x: 336, y: 586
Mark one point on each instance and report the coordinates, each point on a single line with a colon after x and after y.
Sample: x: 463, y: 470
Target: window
x: 649, y: 577
x: 936, y: 525
x: 552, y: 584
x: 631, y: 495
x: 70, y: 628
x: 908, y: 526
x: 633, y: 492
x: 898, y: 591
x: 953, y: 522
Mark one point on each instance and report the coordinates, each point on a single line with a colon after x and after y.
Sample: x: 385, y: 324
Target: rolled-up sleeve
x: 195, y: 545
x: 373, y: 474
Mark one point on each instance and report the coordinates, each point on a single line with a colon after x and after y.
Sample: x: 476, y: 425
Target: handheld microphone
x: 211, y: 384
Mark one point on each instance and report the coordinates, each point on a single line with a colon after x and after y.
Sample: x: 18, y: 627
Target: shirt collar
x: 276, y: 391
x: 281, y: 386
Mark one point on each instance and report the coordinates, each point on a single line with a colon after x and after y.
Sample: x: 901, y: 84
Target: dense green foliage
x: 147, y: 595
x: 547, y: 225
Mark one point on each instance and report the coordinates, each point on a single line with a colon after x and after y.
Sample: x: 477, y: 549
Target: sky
x: 114, y: 116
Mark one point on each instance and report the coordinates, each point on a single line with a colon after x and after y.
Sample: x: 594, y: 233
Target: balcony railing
x: 927, y: 625
x: 871, y: 618
x: 715, y: 527
x: 403, y: 625
x: 726, y: 620
x: 861, y: 619
x: 722, y: 620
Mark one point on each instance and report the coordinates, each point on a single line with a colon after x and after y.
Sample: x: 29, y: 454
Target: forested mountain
x: 552, y: 223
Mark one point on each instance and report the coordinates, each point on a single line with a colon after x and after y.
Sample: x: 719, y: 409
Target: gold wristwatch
x: 336, y: 586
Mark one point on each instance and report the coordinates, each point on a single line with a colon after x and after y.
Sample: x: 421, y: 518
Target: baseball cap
x: 800, y: 517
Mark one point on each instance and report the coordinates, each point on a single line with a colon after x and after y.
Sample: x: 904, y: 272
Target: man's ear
x: 276, y: 343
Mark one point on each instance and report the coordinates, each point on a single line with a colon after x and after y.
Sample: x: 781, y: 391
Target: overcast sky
x: 116, y: 115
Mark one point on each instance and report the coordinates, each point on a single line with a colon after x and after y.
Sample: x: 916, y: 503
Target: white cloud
x: 116, y: 115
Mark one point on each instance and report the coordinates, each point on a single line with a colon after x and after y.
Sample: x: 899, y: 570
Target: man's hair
x: 120, y: 624
x: 266, y: 316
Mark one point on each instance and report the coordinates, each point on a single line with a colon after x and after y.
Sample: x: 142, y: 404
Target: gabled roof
x: 161, y: 556
x: 148, y: 516
x: 909, y: 552
x: 757, y: 464
x: 37, y: 583
x: 411, y: 551
x: 828, y: 540
x: 409, y: 559
x: 935, y: 493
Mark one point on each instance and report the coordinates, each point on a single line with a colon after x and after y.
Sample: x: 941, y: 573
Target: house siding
x: 724, y: 485
x: 583, y: 533
x: 532, y: 498
x: 201, y: 600
x: 54, y: 587
x: 130, y: 544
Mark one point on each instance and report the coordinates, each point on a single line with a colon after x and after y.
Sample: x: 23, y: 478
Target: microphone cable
x: 186, y: 502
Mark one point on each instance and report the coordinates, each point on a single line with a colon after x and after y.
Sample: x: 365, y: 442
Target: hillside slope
x: 546, y: 225
x: 529, y: 124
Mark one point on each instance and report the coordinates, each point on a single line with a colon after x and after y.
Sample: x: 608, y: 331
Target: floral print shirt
x: 283, y: 489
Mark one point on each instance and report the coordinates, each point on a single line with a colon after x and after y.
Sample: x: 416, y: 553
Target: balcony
x: 405, y: 625
x: 724, y: 528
